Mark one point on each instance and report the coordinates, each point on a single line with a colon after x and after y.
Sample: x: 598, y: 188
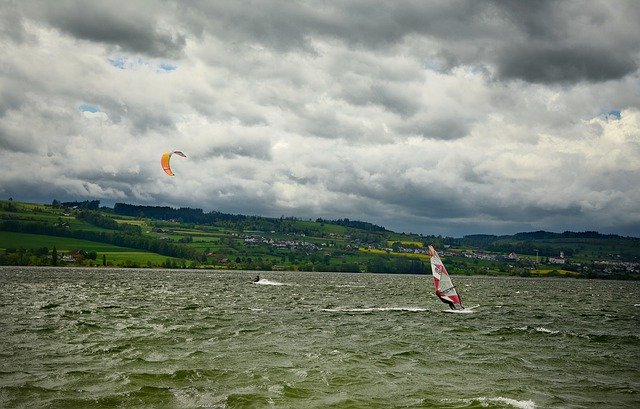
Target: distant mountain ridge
x: 197, y: 215
x: 541, y: 235
x: 191, y: 215
x: 190, y: 237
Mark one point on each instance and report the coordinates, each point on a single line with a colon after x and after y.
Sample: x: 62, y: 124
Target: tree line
x: 121, y: 239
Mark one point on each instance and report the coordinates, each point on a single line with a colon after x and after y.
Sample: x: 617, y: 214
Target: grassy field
x: 393, y: 253
x: 33, y: 241
x: 132, y: 258
x: 114, y: 254
x: 553, y: 272
x: 407, y: 243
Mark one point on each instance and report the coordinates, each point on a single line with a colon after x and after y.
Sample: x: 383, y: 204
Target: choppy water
x: 76, y: 338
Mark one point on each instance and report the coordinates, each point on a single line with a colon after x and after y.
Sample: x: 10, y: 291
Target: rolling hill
x: 83, y: 233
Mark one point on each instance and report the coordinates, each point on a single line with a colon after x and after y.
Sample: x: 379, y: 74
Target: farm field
x: 115, y: 255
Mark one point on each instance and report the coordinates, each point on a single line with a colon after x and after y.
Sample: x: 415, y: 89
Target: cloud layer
x: 444, y: 117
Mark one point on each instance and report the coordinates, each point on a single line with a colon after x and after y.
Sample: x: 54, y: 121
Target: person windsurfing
x: 445, y: 299
x: 445, y: 290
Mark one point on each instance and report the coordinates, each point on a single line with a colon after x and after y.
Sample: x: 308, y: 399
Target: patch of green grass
x: 553, y: 272
x: 114, y: 255
x: 393, y: 253
x: 33, y: 241
x: 138, y: 257
x: 418, y: 244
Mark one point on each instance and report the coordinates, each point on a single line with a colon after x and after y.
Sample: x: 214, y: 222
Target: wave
x: 546, y: 331
x: 374, y: 309
x: 109, y: 307
x: 499, y: 401
x: 49, y: 306
x: 593, y: 337
x: 191, y: 307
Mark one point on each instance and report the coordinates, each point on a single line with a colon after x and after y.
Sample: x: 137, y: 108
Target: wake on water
x: 264, y: 281
x: 467, y: 310
x: 373, y: 309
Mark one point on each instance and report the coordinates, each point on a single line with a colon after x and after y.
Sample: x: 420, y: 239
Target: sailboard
x: 445, y: 290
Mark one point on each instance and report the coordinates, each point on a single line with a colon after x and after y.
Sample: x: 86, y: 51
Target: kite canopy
x: 166, y: 157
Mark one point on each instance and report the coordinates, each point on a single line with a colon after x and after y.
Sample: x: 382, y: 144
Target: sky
x: 435, y: 117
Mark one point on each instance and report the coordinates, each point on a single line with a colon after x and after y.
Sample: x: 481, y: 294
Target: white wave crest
x: 373, y: 309
x: 521, y: 404
x: 546, y: 331
x: 484, y: 401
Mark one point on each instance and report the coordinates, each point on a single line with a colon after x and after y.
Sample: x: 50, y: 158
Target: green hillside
x: 83, y: 233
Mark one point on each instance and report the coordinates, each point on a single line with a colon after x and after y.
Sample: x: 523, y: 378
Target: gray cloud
x: 538, y: 41
x: 444, y: 117
x: 570, y: 41
x: 568, y: 64
x: 136, y: 29
x: 438, y: 128
x: 12, y: 99
x: 239, y: 148
x: 11, y: 23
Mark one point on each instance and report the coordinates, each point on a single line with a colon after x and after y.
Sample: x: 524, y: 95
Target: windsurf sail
x: 445, y: 289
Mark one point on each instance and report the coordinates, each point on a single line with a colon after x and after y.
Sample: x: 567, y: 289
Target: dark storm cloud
x: 535, y: 41
x: 428, y: 115
x: 286, y: 25
x: 119, y: 179
x: 565, y: 64
x: 121, y: 24
x: 569, y: 41
x: 33, y: 190
x: 391, y: 97
x: 456, y: 203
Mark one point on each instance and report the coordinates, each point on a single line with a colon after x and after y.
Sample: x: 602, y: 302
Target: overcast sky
x: 434, y: 117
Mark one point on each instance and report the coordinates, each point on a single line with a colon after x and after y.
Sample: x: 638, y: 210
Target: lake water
x: 80, y: 338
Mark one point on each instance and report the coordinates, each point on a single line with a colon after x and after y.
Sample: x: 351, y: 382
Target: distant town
x: 85, y: 234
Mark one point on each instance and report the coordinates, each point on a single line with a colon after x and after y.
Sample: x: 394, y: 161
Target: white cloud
x: 414, y: 116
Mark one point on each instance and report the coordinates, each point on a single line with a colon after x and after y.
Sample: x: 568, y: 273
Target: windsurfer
x: 445, y: 290
x: 441, y: 295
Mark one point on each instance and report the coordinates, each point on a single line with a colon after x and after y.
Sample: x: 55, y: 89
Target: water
x: 77, y: 338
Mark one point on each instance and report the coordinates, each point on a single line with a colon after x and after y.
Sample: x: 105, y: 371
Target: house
x: 557, y: 260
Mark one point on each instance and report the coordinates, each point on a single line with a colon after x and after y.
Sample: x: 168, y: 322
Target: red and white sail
x: 442, y: 281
